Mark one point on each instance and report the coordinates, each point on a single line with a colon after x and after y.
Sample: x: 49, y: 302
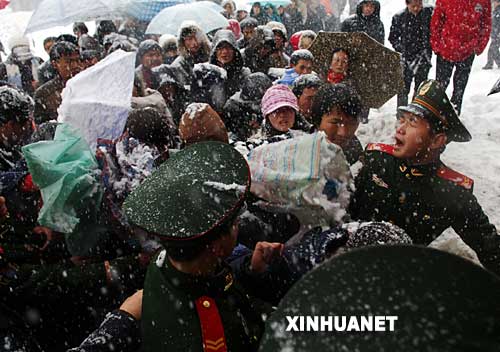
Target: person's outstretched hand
x: 263, y: 254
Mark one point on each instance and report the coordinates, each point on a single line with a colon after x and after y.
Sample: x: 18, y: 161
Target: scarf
x: 335, y: 77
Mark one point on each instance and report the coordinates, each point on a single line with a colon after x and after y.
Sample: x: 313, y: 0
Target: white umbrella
x: 52, y: 13
x: 170, y: 19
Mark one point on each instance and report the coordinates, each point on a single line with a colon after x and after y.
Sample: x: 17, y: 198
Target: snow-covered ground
x: 478, y: 159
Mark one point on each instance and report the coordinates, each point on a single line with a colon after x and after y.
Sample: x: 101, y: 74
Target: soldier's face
x: 415, y: 141
x: 339, y: 127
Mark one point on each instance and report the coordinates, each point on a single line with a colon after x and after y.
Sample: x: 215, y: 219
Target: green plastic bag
x: 67, y: 173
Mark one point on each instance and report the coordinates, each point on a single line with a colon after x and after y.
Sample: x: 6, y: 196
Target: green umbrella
x: 375, y: 70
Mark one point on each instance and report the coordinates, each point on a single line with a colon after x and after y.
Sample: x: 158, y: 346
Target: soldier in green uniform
x: 191, y: 300
x: 408, y: 184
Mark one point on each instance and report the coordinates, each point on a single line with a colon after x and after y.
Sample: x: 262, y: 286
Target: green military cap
x: 192, y: 193
x: 432, y: 103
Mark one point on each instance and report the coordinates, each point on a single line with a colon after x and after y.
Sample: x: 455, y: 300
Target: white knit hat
x: 18, y: 40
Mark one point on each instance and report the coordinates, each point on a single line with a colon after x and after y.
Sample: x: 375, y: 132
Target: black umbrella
x: 375, y: 70
x: 442, y: 303
x: 495, y: 88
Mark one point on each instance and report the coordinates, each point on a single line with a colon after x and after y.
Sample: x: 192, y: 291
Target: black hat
x: 194, y: 192
x: 432, y: 103
x: 15, y: 105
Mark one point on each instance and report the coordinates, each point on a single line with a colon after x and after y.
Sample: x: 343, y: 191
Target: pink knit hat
x: 277, y: 97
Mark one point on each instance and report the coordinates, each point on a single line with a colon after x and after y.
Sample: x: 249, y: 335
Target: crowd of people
x: 180, y: 268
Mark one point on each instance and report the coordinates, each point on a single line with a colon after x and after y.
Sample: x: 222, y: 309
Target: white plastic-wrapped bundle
x: 308, y: 176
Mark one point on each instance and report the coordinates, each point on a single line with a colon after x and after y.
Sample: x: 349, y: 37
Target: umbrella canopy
x: 442, y: 302
x: 169, y: 20
x: 495, y: 88
x: 275, y: 3
x: 375, y: 70
x: 146, y: 10
x: 52, y: 13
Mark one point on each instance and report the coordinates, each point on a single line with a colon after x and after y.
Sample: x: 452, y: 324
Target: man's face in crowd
x: 339, y: 127
x: 414, y: 6
x: 305, y: 101
x: 225, y: 53
x: 248, y: 32
x: 282, y: 119
x: 152, y: 58
x: 340, y: 62
x: 256, y: 10
x: 368, y: 8
x: 303, y: 67
x: 414, y: 138
x: 192, y: 44
x: 68, y: 66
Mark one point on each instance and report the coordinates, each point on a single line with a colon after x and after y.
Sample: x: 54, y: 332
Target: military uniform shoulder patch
x: 455, y: 177
x: 385, y: 148
x: 212, y: 330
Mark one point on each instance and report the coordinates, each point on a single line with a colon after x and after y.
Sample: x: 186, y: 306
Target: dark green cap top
x: 432, y: 103
x: 193, y: 192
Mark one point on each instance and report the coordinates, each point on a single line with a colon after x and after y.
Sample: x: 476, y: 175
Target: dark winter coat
x: 371, y: 25
x: 172, y: 307
x: 315, y: 19
x: 243, y: 108
x: 182, y: 67
x: 292, y: 19
x: 424, y: 201
x: 119, y: 330
x: 460, y: 28
x: 236, y: 73
x: 46, y: 72
x: 47, y: 100
x: 410, y: 34
x: 353, y: 150
x: 251, y: 58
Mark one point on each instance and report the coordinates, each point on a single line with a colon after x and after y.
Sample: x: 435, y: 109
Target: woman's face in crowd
x: 279, y: 41
x: 225, y: 53
x: 256, y: 9
x: 339, y: 127
x: 340, y: 62
x: 282, y: 119
x: 152, y: 59
x: 192, y: 44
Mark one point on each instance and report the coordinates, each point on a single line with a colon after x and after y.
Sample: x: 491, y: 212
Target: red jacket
x: 460, y: 28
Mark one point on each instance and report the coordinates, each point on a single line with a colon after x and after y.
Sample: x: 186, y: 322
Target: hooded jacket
x: 252, y: 60
x: 371, y: 25
x: 243, y: 108
x: 460, y: 28
x: 182, y: 67
x: 235, y: 70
